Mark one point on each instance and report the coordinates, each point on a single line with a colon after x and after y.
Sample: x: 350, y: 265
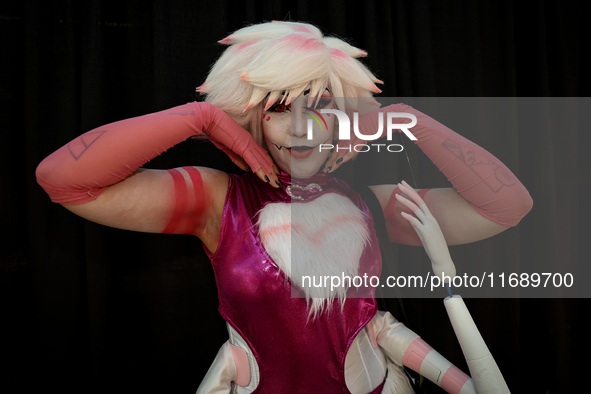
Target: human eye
x: 279, y: 107
x: 324, y: 102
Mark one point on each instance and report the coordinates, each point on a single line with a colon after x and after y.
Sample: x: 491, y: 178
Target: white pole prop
x: 484, y: 371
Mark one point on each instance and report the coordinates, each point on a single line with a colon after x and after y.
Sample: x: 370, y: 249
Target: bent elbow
x: 523, y: 204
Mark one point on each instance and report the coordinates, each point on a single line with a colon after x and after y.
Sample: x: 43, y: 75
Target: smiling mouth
x: 298, y: 151
x: 298, y: 148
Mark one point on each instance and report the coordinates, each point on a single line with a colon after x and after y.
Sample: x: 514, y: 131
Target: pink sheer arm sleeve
x: 477, y: 175
x: 80, y: 171
x: 482, y: 179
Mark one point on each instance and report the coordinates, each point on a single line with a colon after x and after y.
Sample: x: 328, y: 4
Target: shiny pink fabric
x: 294, y: 355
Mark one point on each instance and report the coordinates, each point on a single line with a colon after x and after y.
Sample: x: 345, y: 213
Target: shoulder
x: 240, y: 190
x: 212, y: 183
x: 214, y: 178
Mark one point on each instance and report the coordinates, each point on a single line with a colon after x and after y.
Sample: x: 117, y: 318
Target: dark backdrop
x: 92, y: 309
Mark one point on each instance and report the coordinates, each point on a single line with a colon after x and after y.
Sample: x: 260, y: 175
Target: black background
x: 90, y: 309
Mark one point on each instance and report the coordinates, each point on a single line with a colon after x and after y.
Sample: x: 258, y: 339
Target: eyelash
x: 322, y: 103
x: 274, y: 108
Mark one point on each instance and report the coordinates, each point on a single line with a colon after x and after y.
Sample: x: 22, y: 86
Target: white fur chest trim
x: 320, y: 238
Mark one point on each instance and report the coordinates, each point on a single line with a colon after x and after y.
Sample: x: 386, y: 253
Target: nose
x: 298, y: 123
x: 299, y: 119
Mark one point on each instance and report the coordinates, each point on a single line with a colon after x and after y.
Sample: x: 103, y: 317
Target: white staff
x: 486, y: 376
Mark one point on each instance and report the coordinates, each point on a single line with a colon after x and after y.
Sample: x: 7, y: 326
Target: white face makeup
x: 285, y: 131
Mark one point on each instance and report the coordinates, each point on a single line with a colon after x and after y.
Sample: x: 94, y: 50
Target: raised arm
x: 486, y: 197
x: 96, y: 175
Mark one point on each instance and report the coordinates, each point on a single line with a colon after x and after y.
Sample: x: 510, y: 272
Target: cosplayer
x: 328, y: 340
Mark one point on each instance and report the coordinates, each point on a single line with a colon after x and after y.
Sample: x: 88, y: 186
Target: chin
x: 303, y: 173
x: 298, y: 168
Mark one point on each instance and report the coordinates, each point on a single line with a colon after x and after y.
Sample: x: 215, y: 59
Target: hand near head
x: 428, y: 230
x: 239, y: 145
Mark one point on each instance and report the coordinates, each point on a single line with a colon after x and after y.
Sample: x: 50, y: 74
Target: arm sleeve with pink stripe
x: 404, y: 347
x: 80, y: 171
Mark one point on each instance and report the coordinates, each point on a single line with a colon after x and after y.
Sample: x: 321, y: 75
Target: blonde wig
x: 280, y: 61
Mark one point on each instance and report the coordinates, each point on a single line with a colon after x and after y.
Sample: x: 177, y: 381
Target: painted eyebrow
x: 282, y: 95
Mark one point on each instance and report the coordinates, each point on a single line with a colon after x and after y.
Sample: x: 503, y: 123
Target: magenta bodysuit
x: 294, y: 353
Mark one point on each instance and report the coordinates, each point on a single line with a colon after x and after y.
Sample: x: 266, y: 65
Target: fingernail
x: 278, y: 182
x: 339, y: 160
x: 328, y: 169
x: 267, y: 178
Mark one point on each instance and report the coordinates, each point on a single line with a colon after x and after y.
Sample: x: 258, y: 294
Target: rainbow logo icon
x: 315, y: 115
